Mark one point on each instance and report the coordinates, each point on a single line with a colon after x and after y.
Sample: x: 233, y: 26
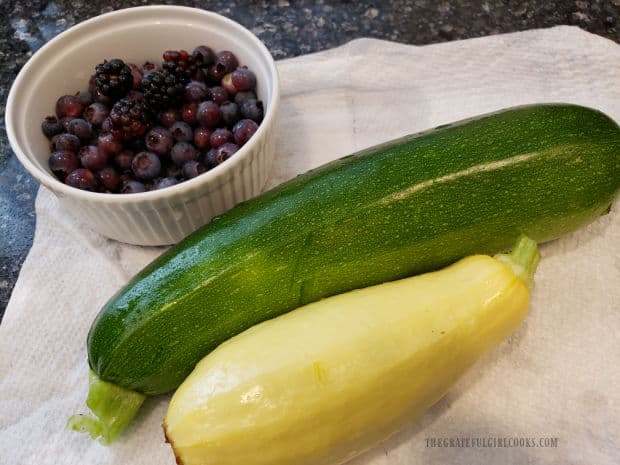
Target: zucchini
x: 307, y: 388
x: 398, y: 209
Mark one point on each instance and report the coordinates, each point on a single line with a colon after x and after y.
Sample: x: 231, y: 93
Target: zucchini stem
x: 523, y: 259
x: 113, y: 406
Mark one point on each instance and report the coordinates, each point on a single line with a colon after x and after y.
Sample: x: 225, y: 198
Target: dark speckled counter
x: 288, y: 28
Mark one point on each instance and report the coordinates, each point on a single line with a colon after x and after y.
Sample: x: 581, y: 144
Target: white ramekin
x: 64, y: 65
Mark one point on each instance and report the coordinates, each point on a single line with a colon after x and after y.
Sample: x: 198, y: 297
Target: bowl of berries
x: 147, y: 122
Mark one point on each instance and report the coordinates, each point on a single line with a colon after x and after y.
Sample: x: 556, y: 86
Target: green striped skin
x: 398, y: 209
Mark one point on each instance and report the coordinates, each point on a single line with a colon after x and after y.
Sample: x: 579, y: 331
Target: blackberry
x: 162, y: 90
x: 113, y: 78
x: 130, y: 117
x: 181, y: 64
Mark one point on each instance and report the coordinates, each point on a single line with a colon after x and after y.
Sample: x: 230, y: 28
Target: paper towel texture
x: 557, y: 377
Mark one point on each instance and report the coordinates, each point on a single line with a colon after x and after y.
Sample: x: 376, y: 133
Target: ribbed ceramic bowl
x: 64, y: 65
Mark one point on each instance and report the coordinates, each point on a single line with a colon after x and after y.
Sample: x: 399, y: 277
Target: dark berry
x: 69, y: 105
x: 130, y: 117
x: 96, y: 113
x: 230, y: 113
x: 252, y: 109
x: 109, y: 145
x: 208, y: 114
x: 136, y: 76
x: 146, y: 165
x: 243, y: 79
x: 173, y: 171
x: 148, y: 68
x: 109, y: 178
x: 82, y: 178
x: 66, y: 141
x: 225, y: 62
x: 51, y: 126
x: 243, y: 130
x: 63, y: 162
x: 241, y: 97
x: 210, y: 160
x: 181, y: 64
x: 181, y: 131
x: 65, y: 122
x: 162, y: 90
x: 92, y: 158
x: 219, y: 95
x: 220, y: 137
x: 170, y: 116
x: 183, y: 152
x: 113, y: 78
x: 86, y: 98
x: 107, y: 126
x: 201, y: 138
x: 228, y: 84
x: 159, y: 140
x: 224, y: 152
x: 203, y: 55
x: 195, y: 91
x: 165, y: 182
x: 193, y: 168
x: 81, y: 128
x: 99, y: 97
x: 123, y: 160
x: 133, y: 187
x: 188, y: 113
x: 135, y: 95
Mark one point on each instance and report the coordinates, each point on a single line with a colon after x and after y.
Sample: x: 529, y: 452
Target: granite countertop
x: 288, y: 28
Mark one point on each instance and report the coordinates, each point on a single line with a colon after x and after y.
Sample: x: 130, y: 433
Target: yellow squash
x: 331, y: 379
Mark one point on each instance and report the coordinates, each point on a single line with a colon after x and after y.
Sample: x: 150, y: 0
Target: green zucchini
x: 398, y: 209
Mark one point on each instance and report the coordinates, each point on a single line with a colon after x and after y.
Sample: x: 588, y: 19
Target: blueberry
x: 109, y: 145
x: 81, y: 128
x: 168, y: 117
x: 82, y: 178
x: 64, y: 121
x: 123, y: 160
x: 243, y: 96
x: 230, y: 113
x: 69, y: 105
x: 195, y: 91
x: 193, y: 168
x: 208, y: 114
x: 51, y: 126
x: 228, y: 84
x: 243, y: 130
x: 204, y: 55
x: 109, y: 178
x: 243, y: 79
x: 96, y: 113
x: 182, y: 152
x: 165, y: 182
x: 63, y: 162
x: 133, y: 187
x: 188, y: 113
x: 221, y: 154
x: 159, y: 140
x: 146, y: 165
x: 93, y: 158
x: 86, y: 98
x: 225, y: 62
x: 252, y: 109
x: 65, y: 141
x: 220, y: 137
x: 181, y: 131
x: 219, y: 95
x: 201, y: 138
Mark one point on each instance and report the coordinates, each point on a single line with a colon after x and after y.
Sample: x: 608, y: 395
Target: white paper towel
x: 557, y: 377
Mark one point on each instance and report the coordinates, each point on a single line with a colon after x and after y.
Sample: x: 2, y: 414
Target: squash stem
x: 523, y: 259
x: 113, y: 406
